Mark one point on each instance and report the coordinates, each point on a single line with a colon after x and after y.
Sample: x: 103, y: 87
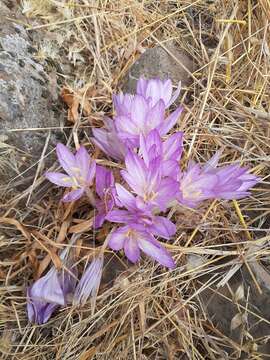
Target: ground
x: 214, y: 305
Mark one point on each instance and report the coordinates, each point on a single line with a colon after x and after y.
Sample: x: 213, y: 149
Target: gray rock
x: 157, y: 62
x: 25, y: 99
x: 244, y: 320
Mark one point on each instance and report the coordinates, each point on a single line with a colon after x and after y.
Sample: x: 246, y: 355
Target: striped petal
x: 73, y: 195
x: 152, y: 248
x: 131, y: 249
x: 118, y: 238
x: 59, y: 179
x: 67, y: 159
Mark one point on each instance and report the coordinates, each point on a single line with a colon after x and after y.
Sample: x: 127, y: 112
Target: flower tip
x: 60, y: 147
x: 46, y: 174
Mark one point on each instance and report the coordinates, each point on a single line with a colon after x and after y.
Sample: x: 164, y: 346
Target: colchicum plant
x: 136, y: 206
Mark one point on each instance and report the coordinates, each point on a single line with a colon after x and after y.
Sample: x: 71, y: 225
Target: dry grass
x: 144, y: 311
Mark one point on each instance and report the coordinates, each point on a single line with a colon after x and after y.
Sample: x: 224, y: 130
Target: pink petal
x: 73, y: 195
x: 162, y: 227
x: 66, y: 159
x: 99, y: 220
x: 167, y: 89
x: 175, y: 95
x: 89, y: 282
x: 91, y: 173
x: 136, y: 167
x: 138, y: 188
x: 48, y: 288
x: 131, y: 249
x: 59, y: 179
x: 139, y: 109
x: 153, y: 176
x: 152, y: 248
x: 230, y: 173
x: 170, y: 121
x: 141, y: 87
x: 155, y: 116
x: 154, y: 90
x: 83, y: 161
x: 100, y: 134
x: 39, y: 312
x: 122, y: 103
x: 125, y: 197
x: 117, y: 238
x: 107, y: 141
x: 173, y: 146
x: 167, y: 193
x: 170, y: 168
x: 213, y: 162
x: 232, y: 195
x: 119, y: 216
x: 206, y: 182
x: 126, y: 124
x: 129, y: 140
x: 147, y: 143
x: 104, y: 180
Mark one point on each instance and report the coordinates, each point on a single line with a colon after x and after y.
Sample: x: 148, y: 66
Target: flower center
x: 149, y: 196
x: 190, y: 191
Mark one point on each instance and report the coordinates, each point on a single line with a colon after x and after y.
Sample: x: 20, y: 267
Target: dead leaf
x: 81, y: 227
x: 87, y: 355
x: 63, y: 231
x: 69, y: 207
x: 45, y: 238
x: 142, y: 316
x: 52, y: 256
x: 78, y: 248
x: 43, y: 266
x: 51, y: 253
x: 76, y: 99
x: 238, y: 320
x: 33, y: 260
x: 18, y: 225
x: 239, y: 294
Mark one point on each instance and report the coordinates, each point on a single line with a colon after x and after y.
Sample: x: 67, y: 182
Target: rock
x: 25, y: 99
x: 157, y: 62
x: 240, y: 313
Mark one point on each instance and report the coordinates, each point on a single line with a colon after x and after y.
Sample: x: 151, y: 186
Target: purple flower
x: 209, y: 182
x: 170, y: 151
x: 80, y: 171
x: 196, y: 185
x: 141, y: 227
x: 157, y: 89
x: 122, y: 103
x: 106, y: 192
x: 146, y: 180
x: 142, y: 118
x: 233, y: 181
x: 49, y: 293
x: 90, y: 281
x: 134, y: 238
x: 139, y: 212
x: 137, y: 114
x: 39, y: 311
x: 108, y: 140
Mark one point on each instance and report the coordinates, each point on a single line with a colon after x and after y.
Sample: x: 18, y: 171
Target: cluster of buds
x: 152, y: 182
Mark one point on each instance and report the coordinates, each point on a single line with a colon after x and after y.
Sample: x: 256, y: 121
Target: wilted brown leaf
x: 18, y: 225
x: 76, y: 99
x: 81, y: 227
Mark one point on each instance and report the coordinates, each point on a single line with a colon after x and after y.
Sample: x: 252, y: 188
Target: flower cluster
x: 150, y: 183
